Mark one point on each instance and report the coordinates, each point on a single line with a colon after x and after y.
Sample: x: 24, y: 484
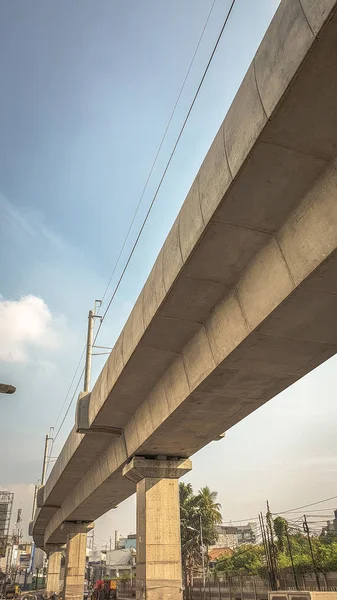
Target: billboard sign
x: 24, y: 560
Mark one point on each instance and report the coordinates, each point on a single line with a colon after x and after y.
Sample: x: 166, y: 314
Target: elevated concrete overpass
x: 242, y: 299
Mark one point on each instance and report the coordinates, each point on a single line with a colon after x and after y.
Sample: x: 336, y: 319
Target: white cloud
x: 24, y: 323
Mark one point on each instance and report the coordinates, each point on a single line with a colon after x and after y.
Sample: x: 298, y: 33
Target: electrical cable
x: 250, y: 520
x: 284, y: 512
x: 102, y: 539
x: 318, y: 510
x: 70, y: 386
x: 168, y: 164
x: 144, y: 190
x: 67, y: 411
x: 156, y: 192
x: 159, y: 149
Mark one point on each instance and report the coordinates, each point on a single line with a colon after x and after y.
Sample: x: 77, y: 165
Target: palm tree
x: 188, y: 539
x: 209, y: 511
x: 196, y: 511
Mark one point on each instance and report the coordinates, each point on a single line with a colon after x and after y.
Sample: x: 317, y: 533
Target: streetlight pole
x: 202, y: 551
x: 202, y: 556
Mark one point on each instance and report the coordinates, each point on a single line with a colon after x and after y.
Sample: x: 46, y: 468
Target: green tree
x: 324, y: 550
x: 247, y: 559
x: 280, y: 528
x: 195, y: 509
x: 189, y: 541
x: 209, y: 513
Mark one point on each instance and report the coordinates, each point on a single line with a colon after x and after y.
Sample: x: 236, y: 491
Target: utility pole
x: 34, y: 500
x: 291, y: 557
x: 90, y: 339
x: 273, y: 551
x: 266, y: 550
x: 45, y: 456
x: 90, y: 336
x: 202, y: 556
x: 306, y: 529
x: 266, y: 542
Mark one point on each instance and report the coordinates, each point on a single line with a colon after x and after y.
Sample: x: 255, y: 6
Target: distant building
x: 5, y: 561
x: 331, y: 526
x: 230, y: 536
x: 118, y: 561
x: 95, y: 557
x: 246, y: 534
x: 227, y: 537
x: 6, y: 504
x: 126, y: 542
x: 131, y: 541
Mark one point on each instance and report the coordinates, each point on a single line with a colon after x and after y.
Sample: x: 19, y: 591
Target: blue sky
x: 87, y: 90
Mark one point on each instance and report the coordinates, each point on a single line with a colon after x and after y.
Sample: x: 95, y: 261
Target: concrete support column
x: 159, y: 573
x: 75, y: 559
x: 54, y: 569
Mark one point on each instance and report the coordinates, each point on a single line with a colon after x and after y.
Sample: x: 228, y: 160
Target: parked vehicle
x: 11, y: 591
x: 105, y: 590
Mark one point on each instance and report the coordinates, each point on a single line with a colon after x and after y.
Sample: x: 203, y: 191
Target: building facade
x: 227, y: 537
x: 247, y: 533
x: 230, y: 536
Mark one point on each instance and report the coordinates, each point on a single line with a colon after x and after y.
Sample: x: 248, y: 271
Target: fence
x: 242, y: 588
x: 255, y: 588
x: 127, y: 588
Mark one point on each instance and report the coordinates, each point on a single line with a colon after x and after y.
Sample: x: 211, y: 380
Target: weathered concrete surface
x: 75, y: 560
x: 159, y: 574
x: 54, y: 570
x: 241, y: 301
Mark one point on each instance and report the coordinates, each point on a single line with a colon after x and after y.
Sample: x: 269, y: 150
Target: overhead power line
x: 70, y: 386
x: 250, y: 520
x: 69, y: 405
x: 168, y: 163
x: 159, y: 149
x: 291, y: 510
x: 138, y: 205
x: 160, y: 182
x: 318, y: 510
x: 284, y: 512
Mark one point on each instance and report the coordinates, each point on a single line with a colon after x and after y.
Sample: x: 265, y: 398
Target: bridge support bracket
x: 82, y: 423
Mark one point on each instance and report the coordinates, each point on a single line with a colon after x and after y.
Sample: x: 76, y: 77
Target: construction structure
x: 6, y: 506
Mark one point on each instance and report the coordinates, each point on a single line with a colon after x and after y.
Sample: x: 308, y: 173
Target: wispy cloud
x: 31, y: 223
x: 13, y: 216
